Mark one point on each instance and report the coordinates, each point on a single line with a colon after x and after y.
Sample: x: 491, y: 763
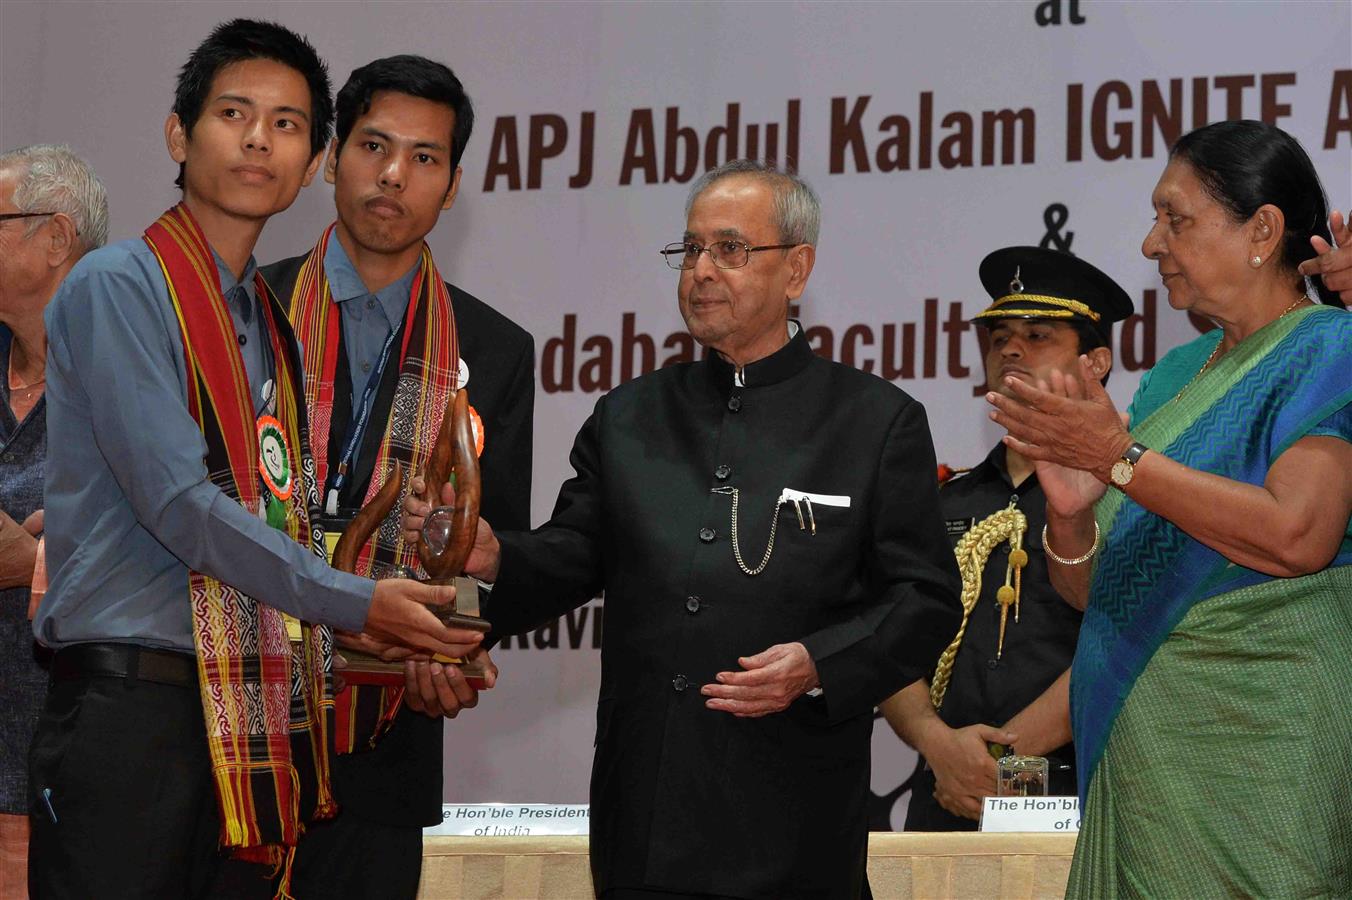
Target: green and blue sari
x: 1212, y: 704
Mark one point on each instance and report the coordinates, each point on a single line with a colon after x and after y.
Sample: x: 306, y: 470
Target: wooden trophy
x: 443, y: 546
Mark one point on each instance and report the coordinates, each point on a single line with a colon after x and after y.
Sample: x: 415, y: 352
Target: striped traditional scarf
x: 265, y: 697
x: 428, y: 365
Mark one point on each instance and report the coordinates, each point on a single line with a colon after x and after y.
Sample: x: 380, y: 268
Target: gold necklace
x: 1217, y: 352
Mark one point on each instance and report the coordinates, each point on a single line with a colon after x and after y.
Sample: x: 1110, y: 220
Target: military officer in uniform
x: 1004, y: 683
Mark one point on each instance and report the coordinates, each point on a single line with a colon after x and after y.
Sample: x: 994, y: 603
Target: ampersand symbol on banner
x: 1054, y: 217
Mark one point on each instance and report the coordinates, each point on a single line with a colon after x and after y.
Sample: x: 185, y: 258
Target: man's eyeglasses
x: 5, y: 217
x: 725, y: 254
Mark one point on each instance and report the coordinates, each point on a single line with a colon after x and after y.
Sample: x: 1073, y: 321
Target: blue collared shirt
x: 254, y: 346
x: 129, y: 506
x: 367, y: 318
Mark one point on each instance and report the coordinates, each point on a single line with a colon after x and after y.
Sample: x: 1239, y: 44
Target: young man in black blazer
x: 402, y: 126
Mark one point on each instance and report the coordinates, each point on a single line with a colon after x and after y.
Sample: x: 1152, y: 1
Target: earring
x: 1256, y: 262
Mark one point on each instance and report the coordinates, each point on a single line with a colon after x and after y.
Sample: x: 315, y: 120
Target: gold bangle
x: 1047, y: 549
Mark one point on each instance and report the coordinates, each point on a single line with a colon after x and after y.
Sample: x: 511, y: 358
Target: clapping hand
x: 1333, y: 263
x: 1069, y: 422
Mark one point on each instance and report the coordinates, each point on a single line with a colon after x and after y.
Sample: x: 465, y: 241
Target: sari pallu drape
x: 1234, y: 420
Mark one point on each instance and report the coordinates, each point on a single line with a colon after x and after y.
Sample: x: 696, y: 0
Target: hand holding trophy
x: 443, y: 547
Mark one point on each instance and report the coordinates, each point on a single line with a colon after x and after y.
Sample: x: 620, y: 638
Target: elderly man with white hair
x: 765, y: 525
x: 52, y: 210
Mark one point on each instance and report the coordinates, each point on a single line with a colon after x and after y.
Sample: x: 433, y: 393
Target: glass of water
x: 1021, y: 776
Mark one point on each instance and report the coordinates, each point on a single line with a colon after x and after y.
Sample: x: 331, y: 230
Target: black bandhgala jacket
x: 689, y: 799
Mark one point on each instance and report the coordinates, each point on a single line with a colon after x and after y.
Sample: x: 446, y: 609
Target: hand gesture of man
x: 18, y: 549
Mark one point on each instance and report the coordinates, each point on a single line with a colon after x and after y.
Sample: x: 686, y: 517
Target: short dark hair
x: 1091, y: 338
x: 416, y: 76
x: 1245, y: 164
x: 243, y: 39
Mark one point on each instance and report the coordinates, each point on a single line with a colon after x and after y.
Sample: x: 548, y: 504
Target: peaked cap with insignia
x: 1037, y: 283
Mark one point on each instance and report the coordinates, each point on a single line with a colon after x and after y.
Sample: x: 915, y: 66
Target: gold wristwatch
x: 1125, y: 468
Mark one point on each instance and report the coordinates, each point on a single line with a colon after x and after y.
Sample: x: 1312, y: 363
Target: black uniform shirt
x: 1039, y: 647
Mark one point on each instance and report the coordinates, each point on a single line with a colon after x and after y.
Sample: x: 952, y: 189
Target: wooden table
x: 929, y: 866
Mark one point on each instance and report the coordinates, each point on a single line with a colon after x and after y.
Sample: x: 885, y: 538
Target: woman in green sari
x: 1212, y: 683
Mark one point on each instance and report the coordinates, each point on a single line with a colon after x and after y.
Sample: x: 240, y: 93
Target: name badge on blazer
x: 958, y: 527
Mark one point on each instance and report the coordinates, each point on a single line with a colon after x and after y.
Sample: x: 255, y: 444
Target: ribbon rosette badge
x: 274, y: 458
x: 476, y: 426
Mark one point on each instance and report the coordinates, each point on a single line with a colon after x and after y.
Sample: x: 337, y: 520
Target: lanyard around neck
x: 356, y: 429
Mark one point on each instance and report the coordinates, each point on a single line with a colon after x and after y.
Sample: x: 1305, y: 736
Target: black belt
x: 125, y: 661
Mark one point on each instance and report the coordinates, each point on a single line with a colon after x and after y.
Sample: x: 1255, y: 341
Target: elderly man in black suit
x: 765, y: 525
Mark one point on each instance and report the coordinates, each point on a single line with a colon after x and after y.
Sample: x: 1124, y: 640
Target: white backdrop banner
x: 934, y: 132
